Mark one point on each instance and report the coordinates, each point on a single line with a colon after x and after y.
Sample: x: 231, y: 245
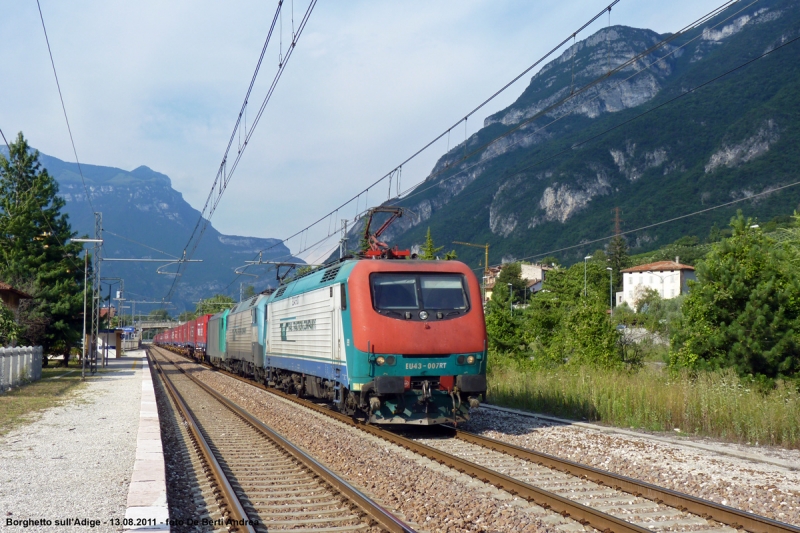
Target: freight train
x: 395, y: 341
x: 382, y: 336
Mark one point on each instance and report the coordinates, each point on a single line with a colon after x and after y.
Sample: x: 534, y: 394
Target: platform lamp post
x: 610, y: 291
x: 85, y: 280
x: 584, y: 273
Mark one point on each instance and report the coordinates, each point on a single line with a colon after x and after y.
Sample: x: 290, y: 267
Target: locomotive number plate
x: 429, y: 366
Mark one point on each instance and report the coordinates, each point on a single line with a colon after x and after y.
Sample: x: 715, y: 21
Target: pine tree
x: 744, y: 310
x: 618, y: 259
x: 33, y: 253
x: 429, y: 250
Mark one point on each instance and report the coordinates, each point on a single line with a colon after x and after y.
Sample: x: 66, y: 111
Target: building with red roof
x: 668, y: 278
x: 11, y: 296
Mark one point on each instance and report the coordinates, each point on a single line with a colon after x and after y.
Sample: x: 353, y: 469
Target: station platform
x: 96, y: 462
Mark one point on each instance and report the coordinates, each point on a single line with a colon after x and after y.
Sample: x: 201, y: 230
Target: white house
x: 667, y: 278
x: 532, y: 274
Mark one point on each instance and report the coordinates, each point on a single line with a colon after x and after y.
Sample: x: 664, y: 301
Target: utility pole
x: 85, y: 291
x: 617, y: 221
x: 96, y: 296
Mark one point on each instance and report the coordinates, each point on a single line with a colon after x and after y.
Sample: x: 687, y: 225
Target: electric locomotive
x: 384, y: 337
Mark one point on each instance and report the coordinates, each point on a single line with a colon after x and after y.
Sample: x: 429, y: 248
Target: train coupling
x: 374, y: 404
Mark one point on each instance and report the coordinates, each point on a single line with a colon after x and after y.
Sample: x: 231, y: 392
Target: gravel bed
x: 760, y: 488
x: 188, y: 493
x: 420, y: 491
x: 76, y: 460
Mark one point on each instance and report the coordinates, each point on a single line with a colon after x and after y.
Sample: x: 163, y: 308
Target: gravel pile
x: 76, y: 461
x: 760, y: 488
x: 420, y: 491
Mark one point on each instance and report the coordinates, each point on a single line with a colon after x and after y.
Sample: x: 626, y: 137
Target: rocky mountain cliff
x: 142, y: 206
x: 658, y: 139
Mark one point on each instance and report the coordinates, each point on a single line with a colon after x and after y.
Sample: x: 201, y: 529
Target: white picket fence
x: 23, y: 363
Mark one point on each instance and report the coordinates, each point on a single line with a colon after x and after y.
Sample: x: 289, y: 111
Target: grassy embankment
x: 713, y: 404
x: 21, y: 404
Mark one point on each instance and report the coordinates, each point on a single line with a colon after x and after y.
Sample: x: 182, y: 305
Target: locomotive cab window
x: 398, y: 294
x: 394, y: 291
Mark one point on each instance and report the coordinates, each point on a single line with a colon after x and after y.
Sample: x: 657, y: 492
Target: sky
x: 160, y: 84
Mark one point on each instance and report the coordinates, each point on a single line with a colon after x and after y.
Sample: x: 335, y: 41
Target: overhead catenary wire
x: 446, y: 132
x: 683, y: 94
x: 139, y: 243
x: 573, y: 94
x: 706, y: 17
x: 225, y: 174
x: 64, y: 109
x: 661, y: 223
x: 450, y: 165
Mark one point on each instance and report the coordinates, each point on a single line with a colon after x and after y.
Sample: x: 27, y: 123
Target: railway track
x: 593, y: 497
x: 262, y: 481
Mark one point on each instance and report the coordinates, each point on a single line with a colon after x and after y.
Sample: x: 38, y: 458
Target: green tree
x: 33, y: 256
x: 550, y: 260
x: 186, y: 316
x: 158, y: 315
x: 618, y: 259
x: 744, y: 310
x: 9, y: 329
x: 429, y: 251
x: 561, y: 326
x: 511, y: 273
x: 250, y: 291
x: 215, y: 304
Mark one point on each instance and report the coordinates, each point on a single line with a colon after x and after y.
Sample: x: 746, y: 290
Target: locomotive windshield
x: 405, y: 292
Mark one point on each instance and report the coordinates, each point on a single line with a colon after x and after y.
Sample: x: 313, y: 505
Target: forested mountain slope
x: 659, y: 139
x: 141, y: 206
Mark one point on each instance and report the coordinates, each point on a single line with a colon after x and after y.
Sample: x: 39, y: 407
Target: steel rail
x: 386, y: 519
x: 548, y: 500
x: 238, y: 514
x: 704, y: 508
x: 684, y: 502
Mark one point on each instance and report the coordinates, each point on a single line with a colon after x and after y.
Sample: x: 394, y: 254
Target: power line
x: 661, y: 223
x: 553, y: 106
x: 687, y: 92
x: 572, y: 95
x: 224, y: 174
x: 64, y: 108
x: 139, y: 243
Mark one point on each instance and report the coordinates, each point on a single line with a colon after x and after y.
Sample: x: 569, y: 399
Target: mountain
x: 657, y: 139
x: 141, y: 206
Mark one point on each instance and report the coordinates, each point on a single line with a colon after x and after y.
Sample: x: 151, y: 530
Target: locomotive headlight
x: 390, y: 360
x: 461, y: 360
x: 380, y: 360
x: 470, y: 359
x: 423, y: 315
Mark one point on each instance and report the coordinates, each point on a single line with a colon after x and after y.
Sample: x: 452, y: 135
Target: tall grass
x: 715, y: 404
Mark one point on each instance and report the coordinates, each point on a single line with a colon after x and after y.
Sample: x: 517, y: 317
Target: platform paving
x: 93, y: 464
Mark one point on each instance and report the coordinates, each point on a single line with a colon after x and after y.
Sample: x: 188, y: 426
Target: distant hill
x: 142, y: 206
x: 550, y: 185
